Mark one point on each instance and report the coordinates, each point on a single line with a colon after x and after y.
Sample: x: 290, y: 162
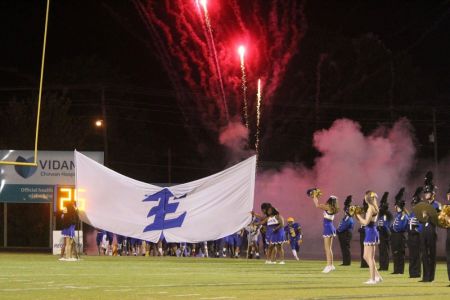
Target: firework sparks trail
x: 241, y: 51
x: 258, y: 117
x: 203, y: 3
x: 199, y: 50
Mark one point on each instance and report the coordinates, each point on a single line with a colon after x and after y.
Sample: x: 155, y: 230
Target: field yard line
x: 214, y: 298
x: 186, y: 295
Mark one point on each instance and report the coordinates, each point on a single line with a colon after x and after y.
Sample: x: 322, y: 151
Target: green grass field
x: 38, y: 276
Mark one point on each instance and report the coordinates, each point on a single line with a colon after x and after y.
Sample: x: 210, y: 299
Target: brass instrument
x: 314, y: 192
x: 355, y: 210
x: 425, y: 212
x: 444, y: 217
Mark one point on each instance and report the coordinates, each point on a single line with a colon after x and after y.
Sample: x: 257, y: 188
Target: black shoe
x: 382, y: 269
x: 344, y: 264
x: 414, y: 276
x: 423, y: 280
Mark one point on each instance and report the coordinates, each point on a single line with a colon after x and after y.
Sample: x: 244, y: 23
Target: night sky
x: 94, y: 44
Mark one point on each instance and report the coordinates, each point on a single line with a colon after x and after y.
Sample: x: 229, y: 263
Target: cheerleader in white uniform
x: 330, y: 208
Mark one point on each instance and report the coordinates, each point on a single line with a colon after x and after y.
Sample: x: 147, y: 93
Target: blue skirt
x: 275, y: 237
x: 328, y: 228
x: 372, y: 236
x: 68, y: 232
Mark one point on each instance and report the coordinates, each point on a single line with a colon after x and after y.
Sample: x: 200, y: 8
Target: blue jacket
x: 346, y: 224
x: 384, y: 224
x: 414, y: 224
x: 400, y: 223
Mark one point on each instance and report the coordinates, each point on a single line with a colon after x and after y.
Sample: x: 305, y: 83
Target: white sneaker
x: 327, y: 269
x: 62, y: 259
x: 333, y: 268
x: 370, y: 281
x: 281, y: 263
x: 267, y: 262
x: 378, y: 279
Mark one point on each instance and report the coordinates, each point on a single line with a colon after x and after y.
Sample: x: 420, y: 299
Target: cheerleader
x: 330, y: 208
x: 69, y: 220
x: 275, y: 235
x: 275, y: 231
x: 372, y: 238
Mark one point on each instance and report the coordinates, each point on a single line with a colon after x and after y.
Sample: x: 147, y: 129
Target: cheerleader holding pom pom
x: 330, y: 208
x: 372, y: 238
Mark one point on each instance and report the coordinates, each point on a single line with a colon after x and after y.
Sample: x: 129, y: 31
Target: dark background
x: 392, y: 58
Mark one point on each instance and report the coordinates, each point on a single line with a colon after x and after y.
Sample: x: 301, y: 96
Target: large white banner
x: 203, y: 210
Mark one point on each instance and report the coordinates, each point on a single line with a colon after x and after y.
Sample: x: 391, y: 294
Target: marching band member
x: 362, y: 237
x: 414, y: 230
x: 429, y: 236
x: 294, y: 233
x: 330, y: 208
x: 383, y: 226
x: 371, y: 235
x: 398, y: 230
x: 344, y: 233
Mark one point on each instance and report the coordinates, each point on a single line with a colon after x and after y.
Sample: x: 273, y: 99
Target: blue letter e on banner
x: 163, y: 208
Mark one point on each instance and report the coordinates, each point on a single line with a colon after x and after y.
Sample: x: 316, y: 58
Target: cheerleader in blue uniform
x: 275, y: 234
x: 330, y: 208
x: 69, y: 220
x: 372, y: 238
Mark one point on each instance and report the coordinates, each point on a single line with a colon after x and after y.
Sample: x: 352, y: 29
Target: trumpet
x: 355, y: 210
x: 444, y: 217
x: 314, y: 192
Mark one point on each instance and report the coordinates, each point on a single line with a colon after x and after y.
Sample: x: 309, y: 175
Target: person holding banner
x: 69, y: 220
x: 330, y: 208
x: 274, y: 233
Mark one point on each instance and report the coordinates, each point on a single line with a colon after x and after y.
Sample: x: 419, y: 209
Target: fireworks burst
x: 196, y: 39
x: 241, y: 51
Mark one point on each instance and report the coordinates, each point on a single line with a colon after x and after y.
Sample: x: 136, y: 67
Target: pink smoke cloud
x: 234, y: 137
x: 350, y: 163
